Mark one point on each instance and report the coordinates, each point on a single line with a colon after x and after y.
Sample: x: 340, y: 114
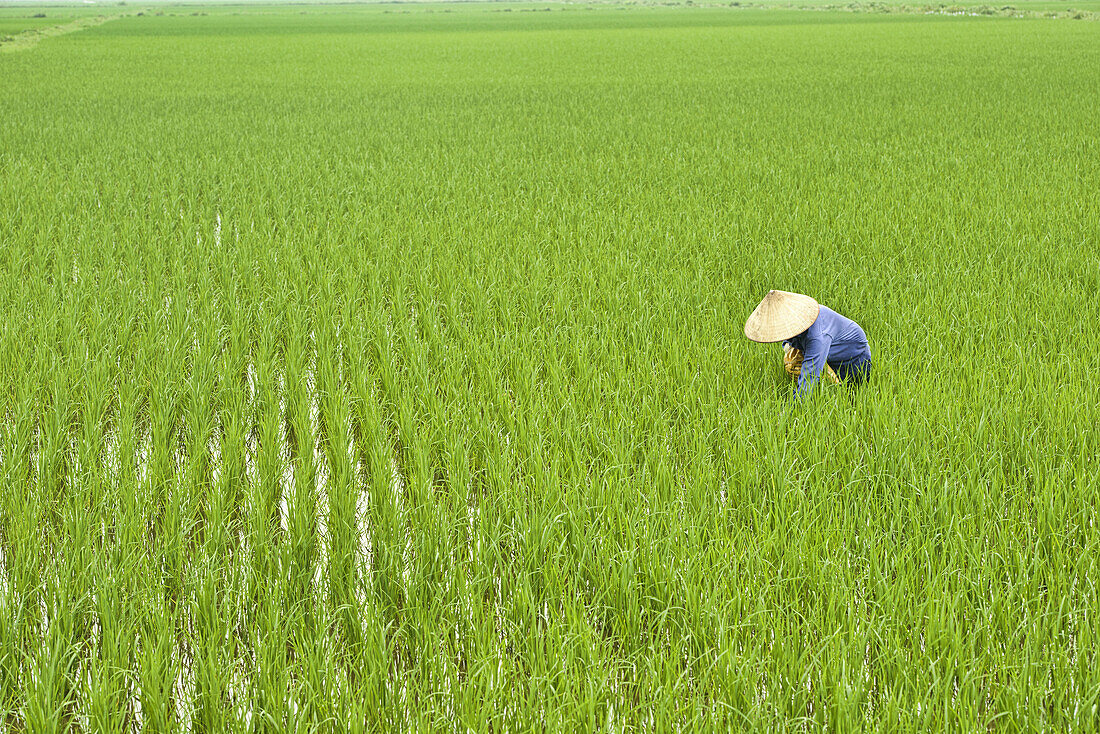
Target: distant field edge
x: 1056, y: 9
x: 955, y: 9
x: 31, y: 37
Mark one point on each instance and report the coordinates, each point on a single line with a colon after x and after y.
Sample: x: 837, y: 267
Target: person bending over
x: 816, y: 339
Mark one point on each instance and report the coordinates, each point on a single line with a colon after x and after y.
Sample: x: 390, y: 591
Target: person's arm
x: 813, y: 362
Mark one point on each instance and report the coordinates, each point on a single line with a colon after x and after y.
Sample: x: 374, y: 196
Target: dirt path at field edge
x: 30, y: 38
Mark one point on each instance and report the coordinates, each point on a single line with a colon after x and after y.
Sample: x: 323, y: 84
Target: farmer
x: 815, y: 339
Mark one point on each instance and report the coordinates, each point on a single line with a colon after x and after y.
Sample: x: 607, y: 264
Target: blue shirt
x: 831, y: 339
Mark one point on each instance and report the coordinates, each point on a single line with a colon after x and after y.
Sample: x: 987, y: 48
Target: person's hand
x: 792, y: 360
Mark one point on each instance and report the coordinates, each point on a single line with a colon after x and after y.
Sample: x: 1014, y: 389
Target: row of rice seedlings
x: 615, y: 599
x: 619, y: 587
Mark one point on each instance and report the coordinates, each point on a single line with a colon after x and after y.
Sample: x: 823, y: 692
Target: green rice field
x: 381, y: 368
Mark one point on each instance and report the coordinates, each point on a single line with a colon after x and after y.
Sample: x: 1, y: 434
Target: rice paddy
x: 381, y: 368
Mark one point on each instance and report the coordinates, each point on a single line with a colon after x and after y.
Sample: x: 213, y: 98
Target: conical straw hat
x: 780, y: 316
